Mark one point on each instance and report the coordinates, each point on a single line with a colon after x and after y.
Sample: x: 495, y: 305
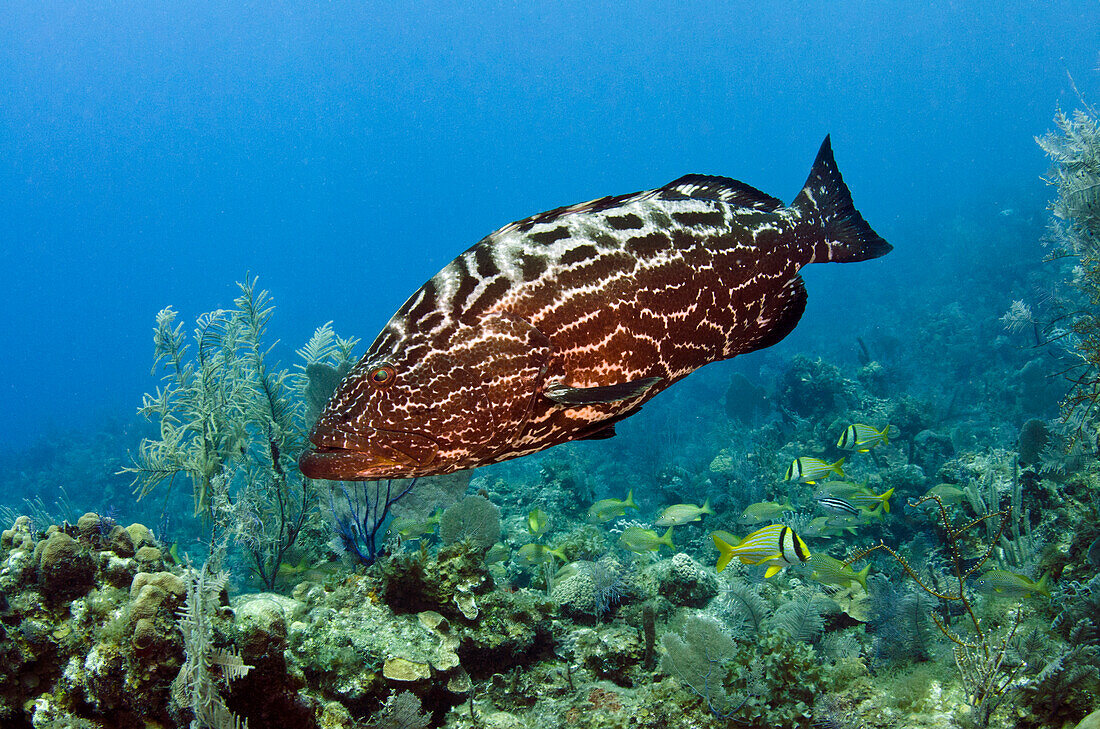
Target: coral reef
x: 594, y: 588
x: 91, y: 637
x: 494, y: 600
x: 683, y: 581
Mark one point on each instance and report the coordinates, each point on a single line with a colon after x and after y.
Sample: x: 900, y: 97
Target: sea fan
x: 832, y: 712
x: 401, y: 711
x: 802, y: 617
x: 474, y: 519
x: 326, y: 358
x: 839, y: 645
x: 742, y: 604
x: 1018, y: 317
x: 358, y: 511
x: 697, y: 655
x: 900, y: 623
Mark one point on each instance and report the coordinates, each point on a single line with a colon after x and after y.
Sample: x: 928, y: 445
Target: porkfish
x: 556, y: 327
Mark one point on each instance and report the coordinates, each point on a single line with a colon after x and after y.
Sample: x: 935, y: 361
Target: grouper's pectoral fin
x: 566, y: 395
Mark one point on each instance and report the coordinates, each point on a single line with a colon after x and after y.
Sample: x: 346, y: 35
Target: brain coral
x: 65, y: 570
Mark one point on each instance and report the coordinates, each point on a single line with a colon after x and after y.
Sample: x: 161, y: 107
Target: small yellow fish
x: 608, y: 509
x: 839, y: 489
x: 726, y: 537
x: 831, y: 571
x: 497, y: 553
x: 535, y: 553
x: 827, y: 526
x: 412, y: 529
x: 639, y: 539
x: 870, y: 500
x: 286, y: 569
x: 949, y: 494
x: 1011, y: 584
x: 810, y: 470
x: 849, y: 522
x: 537, y: 522
x: 862, y: 438
x: 762, y: 511
x: 775, y: 546
x: 818, y: 527
x: 680, y: 514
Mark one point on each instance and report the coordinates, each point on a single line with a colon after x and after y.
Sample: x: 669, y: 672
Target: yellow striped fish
x: 831, y: 571
x: 870, y: 500
x: 839, y: 489
x: 809, y: 470
x: 775, y: 546
x: 1011, y: 584
x: 862, y: 438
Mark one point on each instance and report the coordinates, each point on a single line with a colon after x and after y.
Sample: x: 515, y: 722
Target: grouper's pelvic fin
x: 826, y: 200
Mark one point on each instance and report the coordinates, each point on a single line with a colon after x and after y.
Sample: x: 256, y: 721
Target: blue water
x: 152, y: 154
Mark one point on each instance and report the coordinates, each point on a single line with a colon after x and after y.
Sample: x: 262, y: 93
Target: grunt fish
x: 639, y: 539
x: 810, y: 470
x: 819, y: 527
x: 535, y: 553
x: 839, y: 522
x: 556, y: 327
x: 831, y: 571
x: 839, y: 489
x: 862, y: 438
x: 680, y: 514
x: 870, y: 500
x: 763, y: 511
x: 1011, y: 584
x: 948, y: 494
x: 775, y: 546
x: 607, y: 509
x: 537, y: 522
x: 834, y: 505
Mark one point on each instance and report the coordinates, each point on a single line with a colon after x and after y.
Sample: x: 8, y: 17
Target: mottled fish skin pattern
x: 636, y: 291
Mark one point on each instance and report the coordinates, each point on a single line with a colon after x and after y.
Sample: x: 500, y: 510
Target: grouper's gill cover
x: 555, y: 327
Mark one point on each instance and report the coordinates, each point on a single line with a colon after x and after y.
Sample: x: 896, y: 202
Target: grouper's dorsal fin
x: 592, y: 206
x: 722, y: 189
x: 566, y: 395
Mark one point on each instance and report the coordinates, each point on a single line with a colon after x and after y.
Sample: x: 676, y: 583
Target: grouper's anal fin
x: 604, y: 429
x: 786, y: 309
x: 603, y: 432
x: 566, y: 395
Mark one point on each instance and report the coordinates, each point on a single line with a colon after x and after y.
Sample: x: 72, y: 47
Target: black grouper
x: 557, y: 326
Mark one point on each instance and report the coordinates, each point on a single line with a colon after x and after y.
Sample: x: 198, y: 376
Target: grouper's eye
x: 381, y: 376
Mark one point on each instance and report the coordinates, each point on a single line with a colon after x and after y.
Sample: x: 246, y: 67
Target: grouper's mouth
x: 367, y: 457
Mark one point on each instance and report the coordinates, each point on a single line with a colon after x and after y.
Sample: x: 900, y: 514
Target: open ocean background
x: 153, y: 153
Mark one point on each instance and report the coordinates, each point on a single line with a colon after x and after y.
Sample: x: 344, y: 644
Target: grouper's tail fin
x: 826, y: 201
